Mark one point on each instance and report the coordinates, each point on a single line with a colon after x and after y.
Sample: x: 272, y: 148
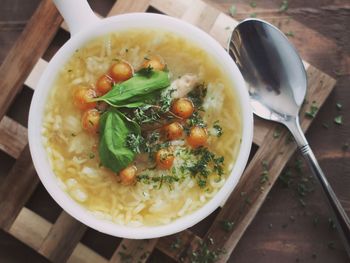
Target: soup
x: 141, y: 127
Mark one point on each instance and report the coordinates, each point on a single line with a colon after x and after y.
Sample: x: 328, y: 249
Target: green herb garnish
x: 253, y: 4
x: 277, y: 133
x: 114, y: 131
x: 226, y: 225
x: 338, y: 120
x: 233, y: 10
x: 284, y: 6
x: 312, y: 111
x: 134, y: 142
x: 176, y: 244
x: 218, y: 129
x: 206, y: 164
x: 339, y: 106
x: 197, y: 95
x: 138, y: 90
x: 289, y: 34
x: 203, y: 254
x: 124, y: 257
x: 325, y: 125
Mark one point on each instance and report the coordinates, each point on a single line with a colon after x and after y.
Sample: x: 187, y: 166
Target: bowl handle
x: 77, y: 14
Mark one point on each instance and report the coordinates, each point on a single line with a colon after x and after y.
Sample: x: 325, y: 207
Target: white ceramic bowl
x: 85, y: 30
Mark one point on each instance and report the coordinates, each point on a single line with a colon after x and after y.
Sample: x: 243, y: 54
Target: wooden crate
x: 60, y: 242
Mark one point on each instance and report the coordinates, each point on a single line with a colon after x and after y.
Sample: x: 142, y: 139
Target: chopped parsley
x: 331, y: 223
x: 233, y: 10
x: 124, y: 257
x: 176, y: 244
x: 312, y: 111
x: 284, y: 6
x: 339, y: 106
x: 264, y: 177
x: 253, y: 4
x: 218, y: 129
x: 226, y: 225
x: 197, y: 95
x: 165, y: 100
x: 134, y: 142
x: 325, y: 125
x: 277, y: 133
x: 206, y: 164
x: 203, y: 254
x: 289, y: 34
x: 146, y: 114
x: 195, y: 120
x: 147, y: 72
x: 158, y: 180
x: 91, y: 155
x: 338, y: 120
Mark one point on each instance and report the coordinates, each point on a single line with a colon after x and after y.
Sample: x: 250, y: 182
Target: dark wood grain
x: 28, y: 48
x: 16, y: 189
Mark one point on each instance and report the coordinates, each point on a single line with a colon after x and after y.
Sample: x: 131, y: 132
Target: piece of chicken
x: 183, y: 85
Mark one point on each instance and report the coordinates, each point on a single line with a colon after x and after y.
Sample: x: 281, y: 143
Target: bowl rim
x: 37, y: 107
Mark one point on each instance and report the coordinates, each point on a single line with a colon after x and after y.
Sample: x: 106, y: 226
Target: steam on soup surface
x: 142, y: 127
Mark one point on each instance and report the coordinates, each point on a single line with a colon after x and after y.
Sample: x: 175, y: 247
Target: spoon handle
x: 341, y: 219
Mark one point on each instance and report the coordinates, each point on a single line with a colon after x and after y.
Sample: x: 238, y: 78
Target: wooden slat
x: 131, y: 250
x: 13, y: 137
x: 62, y: 238
x: 200, y: 14
x: 126, y: 6
x: 83, y: 254
x: 32, y: 229
x: 28, y: 48
x: 277, y: 153
x: 34, y: 76
x: 171, y: 8
x: 176, y: 246
x: 17, y: 188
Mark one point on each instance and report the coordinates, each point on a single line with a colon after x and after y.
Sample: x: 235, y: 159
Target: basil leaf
x: 114, y: 130
x: 142, y: 100
x: 136, y: 89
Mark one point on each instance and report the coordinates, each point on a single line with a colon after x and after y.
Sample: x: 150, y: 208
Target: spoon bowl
x: 272, y: 69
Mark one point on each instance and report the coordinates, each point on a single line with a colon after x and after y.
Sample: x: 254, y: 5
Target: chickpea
x: 91, y: 121
x: 156, y: 62
x: 121, y: 71
x: 198, y: 137
x: 82, y: 97
x: 104, y: 84
x: 173, y: 131
x: 182, y: 107
x: 164, y: 159
x: 128, y: 175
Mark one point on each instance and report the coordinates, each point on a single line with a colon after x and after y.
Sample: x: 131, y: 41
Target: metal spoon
x: 277, y: 84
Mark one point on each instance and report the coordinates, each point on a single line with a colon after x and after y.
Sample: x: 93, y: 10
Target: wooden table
x: 293, y: 224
